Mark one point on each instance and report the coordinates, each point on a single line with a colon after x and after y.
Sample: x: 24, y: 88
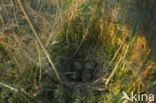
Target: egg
x: 77, y: 66
x: 87, y: 76
x: 89, y: 66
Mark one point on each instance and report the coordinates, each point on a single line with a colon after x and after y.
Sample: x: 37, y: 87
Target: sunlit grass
x: 117, y: 37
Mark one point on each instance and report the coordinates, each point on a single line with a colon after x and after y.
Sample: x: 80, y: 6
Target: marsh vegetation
x: 76, y: 51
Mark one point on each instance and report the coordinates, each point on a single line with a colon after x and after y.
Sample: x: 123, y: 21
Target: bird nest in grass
x: 79, y: 72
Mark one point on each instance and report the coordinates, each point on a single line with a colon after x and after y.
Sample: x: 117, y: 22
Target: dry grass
x: 68, y: 31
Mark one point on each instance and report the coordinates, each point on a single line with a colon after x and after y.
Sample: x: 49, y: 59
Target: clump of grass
x: 99, y: 31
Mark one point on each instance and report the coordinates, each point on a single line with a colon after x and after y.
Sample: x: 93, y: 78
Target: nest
x: 78, y: 72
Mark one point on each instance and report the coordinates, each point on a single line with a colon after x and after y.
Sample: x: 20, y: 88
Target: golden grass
x: 83, y: 30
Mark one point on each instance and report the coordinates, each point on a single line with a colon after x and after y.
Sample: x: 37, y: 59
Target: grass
x: 113, y: 42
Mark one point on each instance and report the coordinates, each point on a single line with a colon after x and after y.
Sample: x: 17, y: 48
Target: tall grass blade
x: 38, y: 39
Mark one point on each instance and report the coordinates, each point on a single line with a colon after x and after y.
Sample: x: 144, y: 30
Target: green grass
x: 117, y: 38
